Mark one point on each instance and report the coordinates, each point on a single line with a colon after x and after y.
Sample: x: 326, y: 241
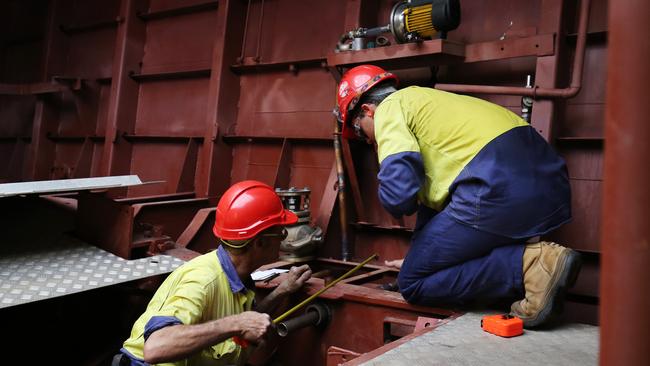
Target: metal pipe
x: 374, y: 32
x: 625, y: 237
x: 317, y: 315
x: 305, y: 320
x: 340, y: 173
x: 537, y: 92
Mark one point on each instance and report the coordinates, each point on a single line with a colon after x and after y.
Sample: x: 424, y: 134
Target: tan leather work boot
x: 549, y: 270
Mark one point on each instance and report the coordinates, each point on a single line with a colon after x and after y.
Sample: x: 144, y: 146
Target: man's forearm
x: 178, y: 342
x: 271, y: 301
x: 400, y: 178
x: 295, y: 279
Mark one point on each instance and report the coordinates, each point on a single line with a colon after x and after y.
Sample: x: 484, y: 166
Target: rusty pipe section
x: 537, y: 92
x: 317, y: 315
x: 340, y: 173
x: 625, y: 237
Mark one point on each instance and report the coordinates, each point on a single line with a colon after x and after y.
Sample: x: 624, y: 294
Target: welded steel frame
x: 625, y: 270
x: 386, y: 316
x: 207, y: 163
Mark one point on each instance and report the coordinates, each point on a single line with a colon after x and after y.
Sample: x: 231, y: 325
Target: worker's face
x: 365, y: 123
x: 269, y: 245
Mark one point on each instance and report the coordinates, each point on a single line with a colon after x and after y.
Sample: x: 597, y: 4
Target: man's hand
x: 291, y: 282
x: 294, y: 280
x: 397, y: 263
x: 180, y: 341
x: 253, y: 325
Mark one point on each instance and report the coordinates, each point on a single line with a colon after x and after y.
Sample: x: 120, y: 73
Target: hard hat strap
x: 236, y: 246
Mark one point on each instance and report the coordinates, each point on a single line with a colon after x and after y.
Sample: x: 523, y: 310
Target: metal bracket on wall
x: 57, y: 85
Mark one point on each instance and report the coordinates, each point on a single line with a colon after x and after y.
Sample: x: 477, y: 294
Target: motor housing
x: 409, y: 21
x: 417, y: 20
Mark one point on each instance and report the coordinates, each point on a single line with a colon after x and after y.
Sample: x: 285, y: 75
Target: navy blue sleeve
x: 400, y: 177
x: 159, y: 322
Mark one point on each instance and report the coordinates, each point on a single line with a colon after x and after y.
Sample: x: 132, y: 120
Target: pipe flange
x: 316, y: 315
x: 323, y: 311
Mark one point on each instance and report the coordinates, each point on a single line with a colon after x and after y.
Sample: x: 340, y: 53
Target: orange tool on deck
x: 503, y: 325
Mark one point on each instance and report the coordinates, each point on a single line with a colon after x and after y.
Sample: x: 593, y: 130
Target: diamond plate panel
x: 67, y: 267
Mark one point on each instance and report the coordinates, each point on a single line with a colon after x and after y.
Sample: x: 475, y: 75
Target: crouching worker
x: 482, y: 181
x: 194, y: 315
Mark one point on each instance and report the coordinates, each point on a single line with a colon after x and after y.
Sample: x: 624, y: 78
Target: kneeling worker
x: 482, y: 181
x: 194, y: 315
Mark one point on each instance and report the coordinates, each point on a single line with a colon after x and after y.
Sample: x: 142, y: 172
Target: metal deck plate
x: 66, y: 267
x: 67, y: 185
x: 463, y: 342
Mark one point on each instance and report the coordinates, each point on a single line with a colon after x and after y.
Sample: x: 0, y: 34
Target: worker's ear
x: 368, y: 109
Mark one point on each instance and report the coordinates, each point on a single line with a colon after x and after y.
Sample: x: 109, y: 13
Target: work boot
x: 549, y: 270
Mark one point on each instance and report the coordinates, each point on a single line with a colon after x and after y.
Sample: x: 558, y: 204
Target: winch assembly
x: 409, y: 21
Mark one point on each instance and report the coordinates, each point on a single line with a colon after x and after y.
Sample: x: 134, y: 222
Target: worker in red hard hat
x: 485, y: 185
x: 199, y: 310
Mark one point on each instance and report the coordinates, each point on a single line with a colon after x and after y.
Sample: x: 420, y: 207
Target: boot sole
x: 570, y: 270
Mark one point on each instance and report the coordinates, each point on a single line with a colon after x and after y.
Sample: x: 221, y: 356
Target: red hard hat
x: 354, y: 83
x: 248, y: 208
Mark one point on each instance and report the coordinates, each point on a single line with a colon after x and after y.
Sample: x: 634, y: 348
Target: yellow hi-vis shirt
x: 197, y: 292
x: 448, y: 130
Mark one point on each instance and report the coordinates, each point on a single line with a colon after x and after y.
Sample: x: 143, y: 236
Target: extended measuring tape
x: 243, y: 343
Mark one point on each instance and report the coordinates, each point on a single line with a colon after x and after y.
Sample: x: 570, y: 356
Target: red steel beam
x: 185, y: 181
x: 283, y: 171
x: 322, y: 218
x: 190, y: 232
x: 437, y: 51
x: 83, y: 161
x: 182, y: 10
x: 625, y: 241
x: 32, y: 88
x: 40, y: 155
x: 123, y: 103
x: 355, y: 188
x: 213, y: 173
x: 539, y: 45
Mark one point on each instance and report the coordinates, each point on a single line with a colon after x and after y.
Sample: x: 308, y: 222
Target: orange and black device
x: 240, y: 342
x: 503, y: 325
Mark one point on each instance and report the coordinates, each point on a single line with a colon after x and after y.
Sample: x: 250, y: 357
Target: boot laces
x: 552, y: 244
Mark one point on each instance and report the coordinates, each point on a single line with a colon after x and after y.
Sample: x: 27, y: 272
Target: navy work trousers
x: 450, y: 262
